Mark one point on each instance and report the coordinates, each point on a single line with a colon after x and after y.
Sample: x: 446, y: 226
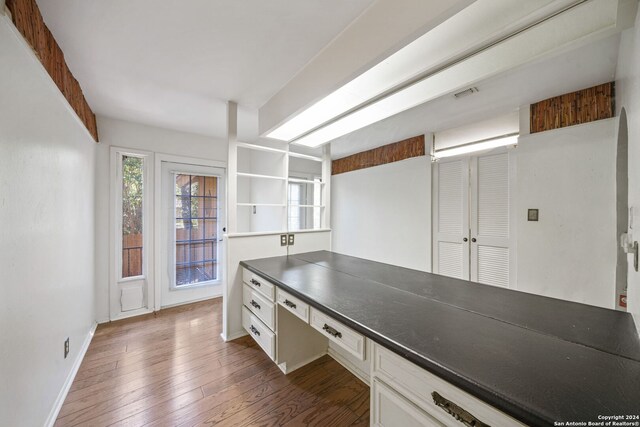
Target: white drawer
x: 293, y: 304
x: 259, y: 284
x: 417, y: 384
x: 260, y: 306
x: 345, y: 337
x: 260, y: 333
x: 389, y: 409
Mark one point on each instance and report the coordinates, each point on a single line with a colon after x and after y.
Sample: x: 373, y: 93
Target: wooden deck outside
x: 173, y: 369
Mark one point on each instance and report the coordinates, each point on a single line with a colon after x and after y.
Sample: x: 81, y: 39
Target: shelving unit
x: 263, y: 178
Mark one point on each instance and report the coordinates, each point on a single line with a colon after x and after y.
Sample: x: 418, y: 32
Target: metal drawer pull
x: 255, y: 282
x: 457, y: 412
x: 254, y: 330
x: 332, y: 331
x: 255, y: 304
x: 289, y: 303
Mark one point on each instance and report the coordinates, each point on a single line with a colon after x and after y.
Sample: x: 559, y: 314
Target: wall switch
x: 532, y: 214
x: 291, y: 239
x: 66, y: 348
x: 283, y: 240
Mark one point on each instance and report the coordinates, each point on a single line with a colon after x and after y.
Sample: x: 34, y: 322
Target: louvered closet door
x: 451, y: 219
x: 490, y: 219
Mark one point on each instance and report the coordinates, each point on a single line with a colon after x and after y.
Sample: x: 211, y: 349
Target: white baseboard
x: 53, y: 415
x: 286, y: 369
x: 178, y: 304
x: 233, y: 336
x: 363, y: 376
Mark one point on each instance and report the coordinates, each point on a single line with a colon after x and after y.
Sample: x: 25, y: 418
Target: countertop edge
x: 502, y: 403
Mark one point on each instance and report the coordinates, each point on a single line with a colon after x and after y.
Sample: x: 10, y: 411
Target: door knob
x: 465, y: 239
x: 473, y: 239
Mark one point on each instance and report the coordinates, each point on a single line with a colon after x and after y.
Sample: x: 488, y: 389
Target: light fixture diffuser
x: 476, y: 146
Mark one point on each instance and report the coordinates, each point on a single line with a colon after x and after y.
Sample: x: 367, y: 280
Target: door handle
x: 465, y: 239
x: 473, y: 239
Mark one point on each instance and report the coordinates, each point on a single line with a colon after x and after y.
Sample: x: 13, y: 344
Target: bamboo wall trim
x: 28, y: 20
x: 412, y: 147
x: 583, y: 106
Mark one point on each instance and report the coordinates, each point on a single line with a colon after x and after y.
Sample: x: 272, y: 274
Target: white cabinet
x: 260, y: 332
x: 434, y: 396
x: 345, y: 337
x: 293, y: 304
x: 390, y: 409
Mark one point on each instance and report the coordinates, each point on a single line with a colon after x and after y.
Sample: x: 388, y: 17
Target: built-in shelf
x: 306, y: 206
x: 260, y: 148
x: 305, y: 156
x: 279, y: 205
x: 305, y: 181
x: 255, y: 175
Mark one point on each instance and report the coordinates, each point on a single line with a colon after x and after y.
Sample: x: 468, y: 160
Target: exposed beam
x: 28, y: 20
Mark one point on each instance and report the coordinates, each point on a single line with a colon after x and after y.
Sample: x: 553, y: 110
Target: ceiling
x: 579, y: 68
x: 173, y: 64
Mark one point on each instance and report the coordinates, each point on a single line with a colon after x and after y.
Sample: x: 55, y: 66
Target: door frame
x: 157, y: 212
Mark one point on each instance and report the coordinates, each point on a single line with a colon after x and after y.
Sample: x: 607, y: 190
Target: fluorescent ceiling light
x: 472, y: 147
x: 439, y: 46
x: 549, y: 36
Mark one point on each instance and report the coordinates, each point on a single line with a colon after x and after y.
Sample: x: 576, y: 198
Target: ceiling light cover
x: 476, y: 146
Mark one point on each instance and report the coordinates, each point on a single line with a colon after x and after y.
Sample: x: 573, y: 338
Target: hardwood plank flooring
x: 172, y: 368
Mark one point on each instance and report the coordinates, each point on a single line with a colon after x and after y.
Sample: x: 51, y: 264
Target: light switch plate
x: 291, y: 239
x: 283, y: 240
x: 532, y: 215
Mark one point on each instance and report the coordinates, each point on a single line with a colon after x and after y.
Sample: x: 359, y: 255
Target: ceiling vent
x: 466, y: 92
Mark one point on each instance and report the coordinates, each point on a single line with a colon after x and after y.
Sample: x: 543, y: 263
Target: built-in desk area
x: 444, y: 351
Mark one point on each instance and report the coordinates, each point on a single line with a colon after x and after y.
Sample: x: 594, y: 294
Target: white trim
x: 131, y: 313
x: 305, y: 181
x: 255, y: 175
x: 272, y: 233
x: 53, y: 415
x: 193, y: 301
x: 305, y: 156
x: 280, y: 205
x: 233, y: 336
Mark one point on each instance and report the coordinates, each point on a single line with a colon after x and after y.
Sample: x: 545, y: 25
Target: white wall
x: 569, y: 175
x: 135, y: 136
x: 383, y: 213
x: 47, y: 161
x: 628, y: 97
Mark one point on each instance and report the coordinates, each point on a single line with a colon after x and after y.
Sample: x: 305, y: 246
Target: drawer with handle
x: 389, y: 409
x: 441, y: 400
x: 293, y: 304
x: 259, y: 284
x: 259, y: 305
x: 260, y: 332
x: 345, y: 337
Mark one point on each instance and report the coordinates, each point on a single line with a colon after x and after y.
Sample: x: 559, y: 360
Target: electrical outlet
x: 291, y: 240
x: 283, y: 240
x: 66, y: 348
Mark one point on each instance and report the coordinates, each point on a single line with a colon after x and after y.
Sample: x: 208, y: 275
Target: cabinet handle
x: 255, y: 304
x: 254, y: 330
x: 289, y: 303
x: 332, y: 331
x: 457, y: 412
x: 255, y: 282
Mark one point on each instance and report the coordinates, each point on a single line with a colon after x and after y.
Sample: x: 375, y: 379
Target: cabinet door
x: 390, y: 409
x: 490, y: 193
x: 451, y: 219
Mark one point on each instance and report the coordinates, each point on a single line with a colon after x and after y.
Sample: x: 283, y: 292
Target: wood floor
x: 173, y: 369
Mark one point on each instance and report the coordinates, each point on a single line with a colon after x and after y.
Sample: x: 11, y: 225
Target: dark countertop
x: 538, y: 359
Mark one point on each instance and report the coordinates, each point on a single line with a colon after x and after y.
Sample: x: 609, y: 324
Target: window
x: 196, y: 225
x: 296, y: 213
x: 132, y: 216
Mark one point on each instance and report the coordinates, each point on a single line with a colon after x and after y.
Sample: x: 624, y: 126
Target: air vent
x: 466, y: 92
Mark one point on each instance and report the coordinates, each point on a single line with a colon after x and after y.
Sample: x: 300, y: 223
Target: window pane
x: 132, y: 238
x: 196, y: 229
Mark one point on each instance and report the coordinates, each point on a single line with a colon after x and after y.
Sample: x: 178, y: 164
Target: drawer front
x: 390, y: 409
x: 260, y: 306
x: 260, y: 333
x: 293, y: 304
x: 418, y: 385
x: 345, y: 337
x: 259, y: 284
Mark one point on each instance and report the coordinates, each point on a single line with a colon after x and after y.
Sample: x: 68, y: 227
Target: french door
x: 472, y: 238
x: 192, y: 220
